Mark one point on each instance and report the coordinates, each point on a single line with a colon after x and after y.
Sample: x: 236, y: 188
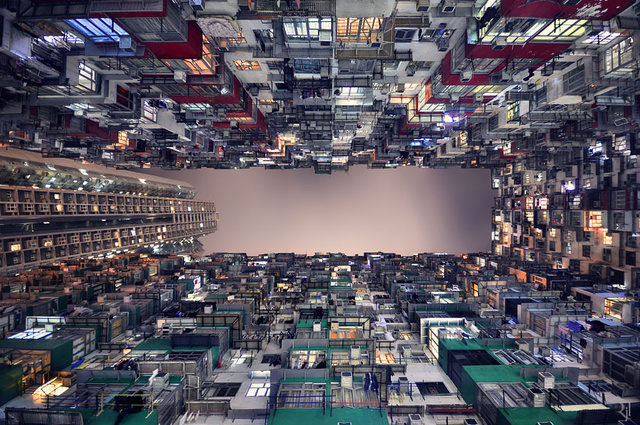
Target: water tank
x: 317, y: 326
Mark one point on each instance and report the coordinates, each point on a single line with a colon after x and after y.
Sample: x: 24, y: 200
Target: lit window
x: 433, y: 107
x: 259, y: 389
x: 513, y: 113
x: 358, y: 30
x: 66, y: 41
x: 511, y: 30
x: 563, y: 30
x: 595, y: 219
x: 196, y: 107
x: 99, y: 30
x: 246, y: 65
x: 123, y: 139
x: 88, y: 78
x: 308, y: 66
x: 207, y: 63
x: 616, y: 62
x: 239, y: 39
x: 602, y: 38
x: 149, y: 112
x: 488, y: 90
x: 351, y: 91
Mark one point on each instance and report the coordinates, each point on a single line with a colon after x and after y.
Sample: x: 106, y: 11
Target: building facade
x: 52, y: 210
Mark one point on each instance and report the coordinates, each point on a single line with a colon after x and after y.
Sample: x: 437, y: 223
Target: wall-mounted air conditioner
x: 499, y: 43
x: 415, y: 419
x: 448, y: 8
x: 180, y: 76
x: 466, y: 76
x: 126, y: 44
x: 325, y: 38
x: 422, y: 5
x: 197, y: 5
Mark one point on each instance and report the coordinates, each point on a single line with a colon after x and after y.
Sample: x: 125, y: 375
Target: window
x: 88, y: 78
x: 563, y: 30
x: 602, y: 38
x: 309, y: 66
x: 239, y: 39
x: 99, y: 30
x: 512, y: 30
x: 207, y: 63
x: 573, y: 79
x: 478, y: 65
x: 149, y: 112
x: 595, y: 219
x: 614, y: 59
x: 513, y: 113
x: 275, y: 65
x: 196, y: 107
x: 246, y: 65
x: 351, y: 91
x: 358, y: 30
x: 433, y: 107
x: 306, y: 29
x: 259, y: 389
x: 405, y: 35
x: 586, y: 251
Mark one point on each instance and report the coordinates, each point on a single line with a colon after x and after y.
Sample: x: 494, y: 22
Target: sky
x: 405, y: 210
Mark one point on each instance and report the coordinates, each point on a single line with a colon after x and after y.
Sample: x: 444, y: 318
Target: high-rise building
x: 52, y: 210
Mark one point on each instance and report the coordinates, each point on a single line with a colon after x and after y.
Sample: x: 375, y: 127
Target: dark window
x: 586, y: 251
x: 630, y: 258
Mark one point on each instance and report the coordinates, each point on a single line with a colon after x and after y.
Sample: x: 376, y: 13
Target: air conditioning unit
x: 537, y: 397
x: 522, y: 345
x: 455, y: 97
x: 478, y: 97
x: 180, y: 76
x: 544, y: 423
x: 415, y: 419
x: 505, y: 76
x: 325, y: 38
x: 234, y: 124
x: 448, y: 8
x: 422, y: 5
x: 346, y: 380
x: 470, y: 421
x: 621, y: 121
x: 546, y: 380
x: 499, y: 43
x: 400, y: 88
x: 126, y: 44
x: 197, y: 5
x: 466, y: 76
